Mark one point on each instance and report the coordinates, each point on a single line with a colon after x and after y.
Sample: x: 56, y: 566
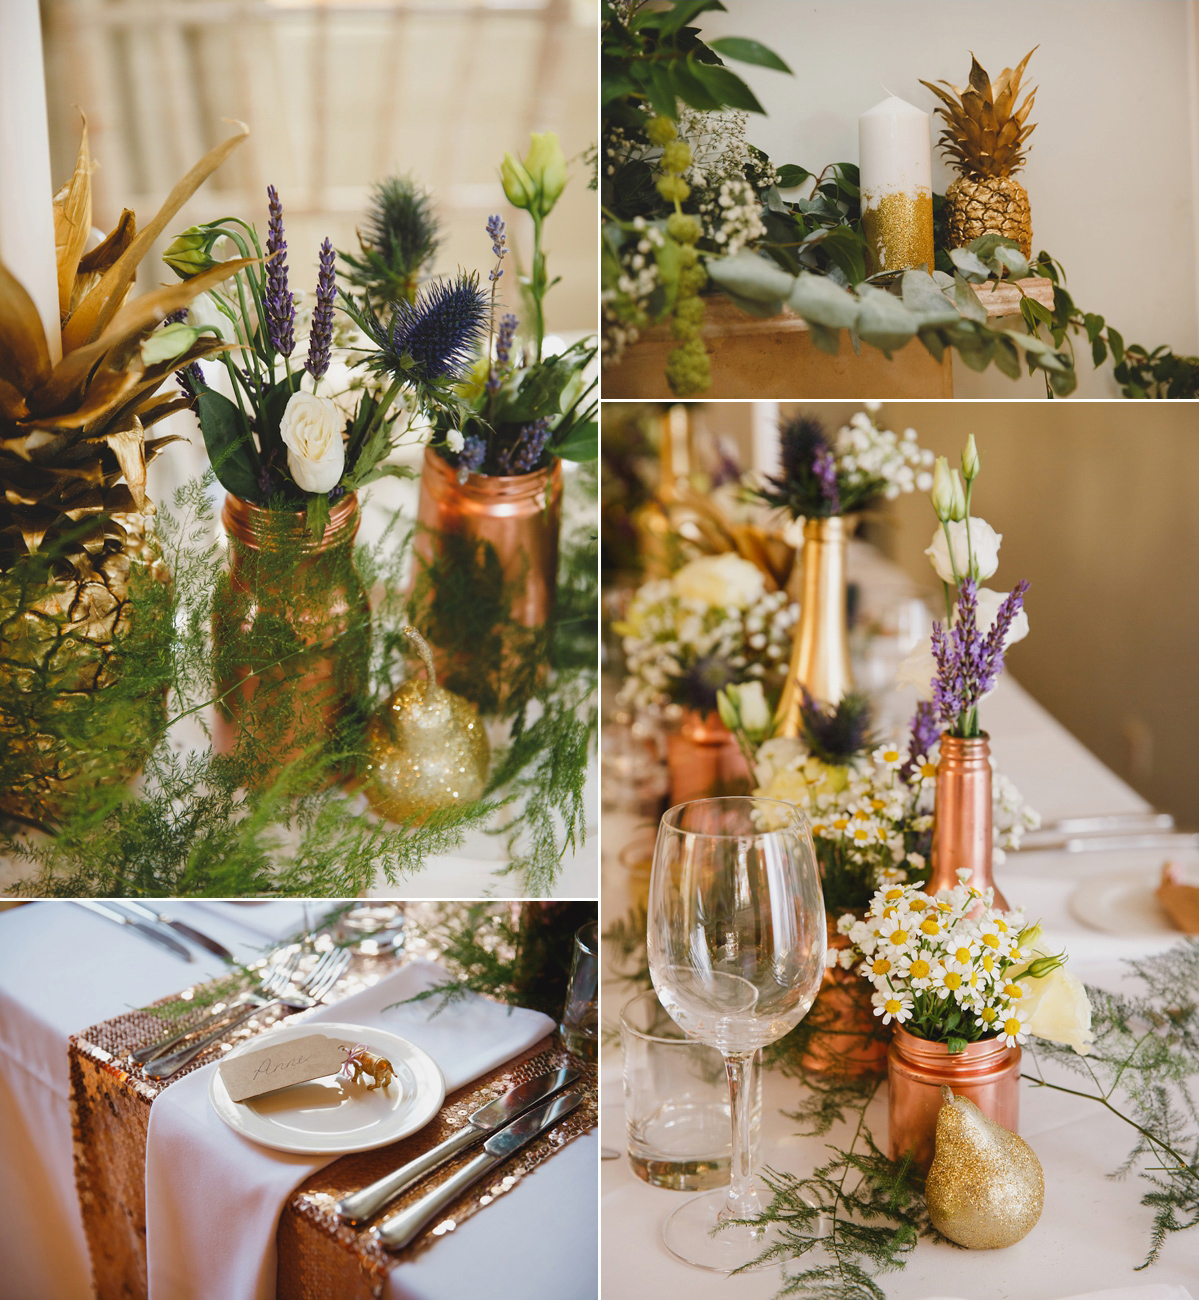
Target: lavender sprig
x: 503, y: 350
x: 320, y: 338
x: 968, y: 663
x: 280, y: 309
x: 497, y: 230
x: 925, y: 732
x: 525, y: 452
x: 472, y: 455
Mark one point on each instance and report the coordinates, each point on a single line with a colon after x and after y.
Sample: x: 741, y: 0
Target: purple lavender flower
x: 472, y: 455
x: 925, y: 732
x: 968, y: 663
x: 503, y: 350
x: 499, y: 243
x: 320, y: 338
x: 525, y: 452
x: 280, y: 309
x: 824, y: 467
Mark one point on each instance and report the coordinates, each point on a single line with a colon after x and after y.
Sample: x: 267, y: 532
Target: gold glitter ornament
x: 985, y: 1189
x: 426, y: 748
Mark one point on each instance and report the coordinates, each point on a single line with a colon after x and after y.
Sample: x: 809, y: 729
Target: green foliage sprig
x: 400, y: 240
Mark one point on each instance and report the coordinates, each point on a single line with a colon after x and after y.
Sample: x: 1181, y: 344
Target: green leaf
x: 750, y: 276
x: 955, y: 1045
x: 230, y: 448
x: 1115, y: 341
x: 660, y: 91
x: 744, y: 50
x: 846, y: 249
x: 727, y: 87
x: 1006, y: 358
x: 883, y: 321
x: 683, y: 12
x: 821, y: 302
x: 539, y: 392
x: 970, y: 265
x: 1098, y: 352
x: 318, y: 514
x: 966, y: 300
x: 688, y: 87
x: 581, y: 443
x: 1012, y: 260
x: 791, y: 175
x: 925, y: 301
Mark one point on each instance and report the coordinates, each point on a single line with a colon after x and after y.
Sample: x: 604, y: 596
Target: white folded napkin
x: 213, y: 1198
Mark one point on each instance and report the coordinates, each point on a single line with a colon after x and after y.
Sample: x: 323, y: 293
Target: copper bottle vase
x: 704, y: 761
x: 519, y: 517
x: 291, y: 633
x: 962, y: 816
x: 820, y: 653
x: 986, y: 1072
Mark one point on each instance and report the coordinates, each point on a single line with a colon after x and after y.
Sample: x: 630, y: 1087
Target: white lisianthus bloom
x: 455, y: 441
x: 204, y: 311
x: 311, y: 430
x: 755, y: 712
x: 984, y: 541
x: 1058, y: 1009
x: 720, y: 581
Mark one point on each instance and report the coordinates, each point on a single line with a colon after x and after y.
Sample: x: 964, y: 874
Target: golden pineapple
x: 985, y: 136
x: 74, y: 535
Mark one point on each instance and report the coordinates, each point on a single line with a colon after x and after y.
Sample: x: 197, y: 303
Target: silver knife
x: 1107, y: 822
x: 180, y: 927
x: 1166, y: 840
x: 365, y: 1204
x: 155, y: 935
x: 395, y: 1233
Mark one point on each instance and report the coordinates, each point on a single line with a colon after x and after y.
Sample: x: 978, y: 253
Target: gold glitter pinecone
x: 986, y: 137
x: 988, y: 205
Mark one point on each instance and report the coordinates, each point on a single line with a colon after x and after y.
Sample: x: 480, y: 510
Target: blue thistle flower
x: 280, y: 309
x: 440, y: 331
x: 320, y: 339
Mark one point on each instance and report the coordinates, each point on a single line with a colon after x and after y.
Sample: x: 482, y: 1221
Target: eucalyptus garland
x: 201, y: 822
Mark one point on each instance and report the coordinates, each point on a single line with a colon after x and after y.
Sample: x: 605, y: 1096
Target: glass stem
x: 742, y: 1201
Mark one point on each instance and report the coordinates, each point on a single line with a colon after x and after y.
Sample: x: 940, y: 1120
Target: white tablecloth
x: 1093, y: 1231
x: 62, y: 969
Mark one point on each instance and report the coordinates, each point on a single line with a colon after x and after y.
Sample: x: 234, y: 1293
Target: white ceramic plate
x: 331, y: 1116
x: 1124, y: 902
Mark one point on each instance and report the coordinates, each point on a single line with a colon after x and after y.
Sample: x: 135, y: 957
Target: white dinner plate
x: 1124, y: 902
x: 332, y: 1116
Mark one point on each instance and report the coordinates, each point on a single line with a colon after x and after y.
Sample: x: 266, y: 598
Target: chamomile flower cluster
x: 871, y: 817
x: 713, y: 623
x: 950, y: 967
x: 867, y: 454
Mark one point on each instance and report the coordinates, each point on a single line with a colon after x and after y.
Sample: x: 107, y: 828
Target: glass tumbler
x: 676, y: 1101
x: 580, y: 1018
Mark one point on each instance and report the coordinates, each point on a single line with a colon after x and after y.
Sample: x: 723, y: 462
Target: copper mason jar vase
x: 986, y: 1072
x: 703, y: 759
x: 962, y: 837
x: 849, y: 1040
x: 519, y: 516
x: 290, y: 630
x: 820, y: 655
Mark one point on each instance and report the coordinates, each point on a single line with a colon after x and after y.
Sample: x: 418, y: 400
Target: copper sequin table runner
x: 318, y: 1256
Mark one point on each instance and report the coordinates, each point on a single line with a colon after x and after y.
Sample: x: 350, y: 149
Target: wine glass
x: 736, y: 942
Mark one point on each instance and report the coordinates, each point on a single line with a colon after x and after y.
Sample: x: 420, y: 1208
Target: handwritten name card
x: 250, y: 1074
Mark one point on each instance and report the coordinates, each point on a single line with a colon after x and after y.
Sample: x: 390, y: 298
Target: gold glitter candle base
x: 899, y: 231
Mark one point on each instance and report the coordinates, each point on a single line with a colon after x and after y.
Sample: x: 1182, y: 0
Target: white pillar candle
x: 766, y: 438
x: 26, y: 190
x: 896, y: 176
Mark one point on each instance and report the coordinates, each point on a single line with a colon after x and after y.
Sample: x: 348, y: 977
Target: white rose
x: 1058, y: 1009
x: 751, y: 703
x: 311, y: 430
x: 918, y: 669
x: 984, y: 541
x: 204, y: 311
x: 454, y: 440
x: 721, y: 581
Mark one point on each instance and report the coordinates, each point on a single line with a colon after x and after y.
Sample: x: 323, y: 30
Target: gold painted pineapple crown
x: 985, y: 132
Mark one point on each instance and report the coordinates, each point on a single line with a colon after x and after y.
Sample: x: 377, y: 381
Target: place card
x: 250, y: 1074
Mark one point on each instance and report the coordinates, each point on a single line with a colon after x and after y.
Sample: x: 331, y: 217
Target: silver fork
x: 310, y: 990
x: 275, y: 979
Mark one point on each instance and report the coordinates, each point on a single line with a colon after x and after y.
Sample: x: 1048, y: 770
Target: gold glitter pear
x: 985, y: 1189
x: 426, y: 749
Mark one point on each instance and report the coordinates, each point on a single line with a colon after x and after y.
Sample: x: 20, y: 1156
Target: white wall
x: 1112, y: 170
